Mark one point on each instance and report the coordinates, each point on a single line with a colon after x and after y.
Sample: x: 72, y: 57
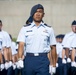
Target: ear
x: 43, y: 14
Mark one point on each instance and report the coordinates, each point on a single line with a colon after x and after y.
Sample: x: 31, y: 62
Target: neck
x: 37, y: 23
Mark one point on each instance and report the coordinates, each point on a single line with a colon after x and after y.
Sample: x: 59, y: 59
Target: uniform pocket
x: 29, y: 37
x: 45, y: 38
x: 45, y: 34
x: 29, y: 34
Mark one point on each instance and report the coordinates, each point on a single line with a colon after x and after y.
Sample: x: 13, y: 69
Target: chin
x: 37, y: 20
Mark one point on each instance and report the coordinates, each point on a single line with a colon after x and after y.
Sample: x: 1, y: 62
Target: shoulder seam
x: 26, y: 25
x: 46, y: 25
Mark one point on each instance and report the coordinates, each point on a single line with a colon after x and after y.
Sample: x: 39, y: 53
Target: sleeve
x: 73, y: 44
x: 8, y: 40
x: 52, y: 37
x: 21, y: 36
x: 59, y: 48
x: 3, y: 43
x: 65, y: 42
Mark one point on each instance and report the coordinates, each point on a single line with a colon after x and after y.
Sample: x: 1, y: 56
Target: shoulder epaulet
x: 26, y: 25
x: 46, y: 25
x: 49, y: 26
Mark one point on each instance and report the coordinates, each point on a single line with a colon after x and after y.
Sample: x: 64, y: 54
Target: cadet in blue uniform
x: 61, y: 68
x: 2, y: 47
x: 73, y: 54
x: 38, y: 39
x: 67, y: 47
x: 11, y: 70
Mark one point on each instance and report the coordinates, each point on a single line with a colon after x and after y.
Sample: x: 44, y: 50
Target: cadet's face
x: 59, y: 40
x: 74, y: 28
x: 38, y: 15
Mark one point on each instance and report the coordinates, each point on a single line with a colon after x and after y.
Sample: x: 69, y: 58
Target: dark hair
x: 0, y: 21
x: 74, y: 22
x: 10, y: 36
x: 60, y: 36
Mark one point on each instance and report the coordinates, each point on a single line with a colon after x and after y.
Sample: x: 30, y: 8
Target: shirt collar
x: 41, y: 24
x: 73, y: 32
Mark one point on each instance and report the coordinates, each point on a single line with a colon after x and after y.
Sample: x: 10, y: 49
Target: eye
x: 40, y: 11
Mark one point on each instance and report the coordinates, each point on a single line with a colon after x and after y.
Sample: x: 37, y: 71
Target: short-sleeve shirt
x: 73, y: 44
x: 68, y: 40
x: 7, y: 38
x: 37, y: 39
x: 59, y: 48
x: 13, y: 48
x: 2, y: 41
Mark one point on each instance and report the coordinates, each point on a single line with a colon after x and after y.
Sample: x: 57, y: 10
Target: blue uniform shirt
x: 7, y: 38
x: 73, y: 44
x: 2, y: 41
x: 68, y: 40
x: 38, y: 39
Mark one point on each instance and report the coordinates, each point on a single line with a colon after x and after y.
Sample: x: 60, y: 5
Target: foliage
x: 14, y: 39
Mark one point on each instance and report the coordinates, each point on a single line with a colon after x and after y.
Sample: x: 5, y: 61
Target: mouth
x: 38, y: 17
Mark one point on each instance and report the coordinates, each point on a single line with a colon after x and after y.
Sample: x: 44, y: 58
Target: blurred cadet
x: 67, y: 45
x: 61, y: 69
x: 14, y: 52
x: 14, y: 58
x: 73, y: 56
x: 59, y: 38
x: 2, y: 47
x: 6, y: 52
x: 73, y: 46
x: 37, y: 38
x: 3, y: 50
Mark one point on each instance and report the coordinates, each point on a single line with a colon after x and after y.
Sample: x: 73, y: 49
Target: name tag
x: 29, y: 31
